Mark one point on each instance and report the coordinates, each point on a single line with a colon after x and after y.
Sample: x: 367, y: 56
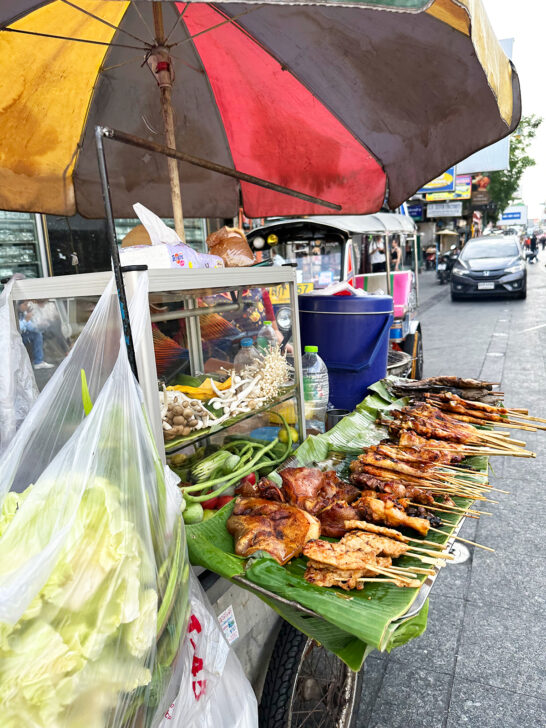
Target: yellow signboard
x: 281, y: 294
x: 463, y: 190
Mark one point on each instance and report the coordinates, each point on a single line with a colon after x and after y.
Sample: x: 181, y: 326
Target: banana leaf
x: 348, y: 624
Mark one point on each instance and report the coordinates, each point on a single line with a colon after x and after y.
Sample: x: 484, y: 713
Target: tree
x: 504, y: 185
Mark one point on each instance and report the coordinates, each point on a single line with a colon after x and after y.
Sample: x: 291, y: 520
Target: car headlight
x: 460, y: 271
x: 284, y: 318
x: 515, y: 268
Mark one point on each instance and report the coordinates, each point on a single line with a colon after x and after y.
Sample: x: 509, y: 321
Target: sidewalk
x: 482, y: 661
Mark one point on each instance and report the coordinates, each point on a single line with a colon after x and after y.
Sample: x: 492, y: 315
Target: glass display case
x: 197, y: 320
x: 20, y: 245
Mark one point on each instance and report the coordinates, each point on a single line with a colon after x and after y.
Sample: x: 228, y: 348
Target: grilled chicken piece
x: 333, y: 517
x: 312, y: 490
x: 280, y: 529
x: 395, y: 488
x: 378, y: 511
x: 264, y: 488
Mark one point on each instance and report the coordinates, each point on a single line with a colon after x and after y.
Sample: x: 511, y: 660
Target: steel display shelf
x: 186, y: 287
x: 181, y: 443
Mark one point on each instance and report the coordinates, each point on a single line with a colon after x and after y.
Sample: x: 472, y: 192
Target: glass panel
x: 49, y: 328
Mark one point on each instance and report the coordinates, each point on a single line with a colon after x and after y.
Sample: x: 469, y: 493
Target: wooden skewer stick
x: 417, y: 570
x: 465, y: 540
x: 436, y: 554
x: 380, y: 570
x: 446, y: 508
x: 521, y: 410
x: 430, y: 543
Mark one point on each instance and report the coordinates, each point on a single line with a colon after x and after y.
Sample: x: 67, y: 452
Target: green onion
x: 216, y: 464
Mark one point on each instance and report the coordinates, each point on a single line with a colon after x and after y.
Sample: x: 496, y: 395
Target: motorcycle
x: 430, y: 258
x: 445, y: 265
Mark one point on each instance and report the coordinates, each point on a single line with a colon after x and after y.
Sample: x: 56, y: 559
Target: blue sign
x: 511, y: 216
x: 446, y: 182
x: 415, y: 210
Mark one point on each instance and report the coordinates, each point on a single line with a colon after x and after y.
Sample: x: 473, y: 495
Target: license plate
x: 486, y: 286
x: 442, y: 266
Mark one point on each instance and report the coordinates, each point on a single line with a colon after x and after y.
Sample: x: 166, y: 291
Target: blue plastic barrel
x: 352, y: 335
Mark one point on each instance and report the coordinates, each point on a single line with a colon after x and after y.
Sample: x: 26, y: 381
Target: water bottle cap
x: 311, y: 349
x: 267, y: 323
x: 246, y: 342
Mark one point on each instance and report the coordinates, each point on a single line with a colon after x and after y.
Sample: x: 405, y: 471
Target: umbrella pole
x: 114, y: 251
x: 164, y: 80
x: 388, y: 263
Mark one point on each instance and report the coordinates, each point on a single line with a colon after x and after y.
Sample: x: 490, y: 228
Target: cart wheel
x: 308, y: 686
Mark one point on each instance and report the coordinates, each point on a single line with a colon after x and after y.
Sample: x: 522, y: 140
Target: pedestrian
x: 396, y: 255
x: 534, y: 248
x: 31, y: 336
x: 376, y: 251
x: 543, y: 240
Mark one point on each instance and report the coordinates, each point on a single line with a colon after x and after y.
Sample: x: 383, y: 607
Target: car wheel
x: 308, y: 686
x: 523, y: 294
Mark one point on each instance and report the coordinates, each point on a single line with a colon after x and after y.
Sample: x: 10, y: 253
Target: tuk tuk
x: 326, y: 250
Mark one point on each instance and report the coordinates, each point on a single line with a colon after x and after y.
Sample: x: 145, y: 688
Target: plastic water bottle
x: 266, y: 339
x: 315, y: 389
x: 246, y: 355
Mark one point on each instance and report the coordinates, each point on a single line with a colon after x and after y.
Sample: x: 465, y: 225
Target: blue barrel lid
x: 313, y: 303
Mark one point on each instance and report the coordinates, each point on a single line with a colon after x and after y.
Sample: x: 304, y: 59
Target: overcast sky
x: 525, y: 21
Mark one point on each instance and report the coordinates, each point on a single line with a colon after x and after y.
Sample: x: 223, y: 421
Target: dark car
x: 489, y: 266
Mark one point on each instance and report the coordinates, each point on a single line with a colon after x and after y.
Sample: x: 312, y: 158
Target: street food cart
x: 260, y: 640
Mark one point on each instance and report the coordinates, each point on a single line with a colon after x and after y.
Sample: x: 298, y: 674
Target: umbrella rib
x: 76, y: 40
x: 218, y: 25
x: 105, y: 22
x: 180, y: 16
x: 144, y: 21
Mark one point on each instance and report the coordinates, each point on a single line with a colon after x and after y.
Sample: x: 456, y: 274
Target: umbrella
x: 356, y: 103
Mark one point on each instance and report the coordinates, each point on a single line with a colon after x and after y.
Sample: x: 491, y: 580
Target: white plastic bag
x: 48, y: 426
x: 18, y: 389
x: 93, y: 566
x: 214, y: 692
x: 166, y: 250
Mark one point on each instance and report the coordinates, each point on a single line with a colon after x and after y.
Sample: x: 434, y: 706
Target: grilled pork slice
x: 280, y: 529
x: 341, y: 555
x: 321, y: 575
x: 312, y: 490
x: 264, y: 488
x: 333, y: 517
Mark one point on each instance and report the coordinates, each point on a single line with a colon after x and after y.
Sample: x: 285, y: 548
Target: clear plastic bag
x: 18, y: 389
x: 231, y: 245
x: 59, y: 408
x: 93, y: 566
x: 166, y: 250
x: 214, y: 692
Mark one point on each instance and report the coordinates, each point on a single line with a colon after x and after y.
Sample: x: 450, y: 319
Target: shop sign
x: 515, y: 215
x: 444, y: 183
x: 415, y: 211
x: 445, y: 209
x: 463, y: 190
